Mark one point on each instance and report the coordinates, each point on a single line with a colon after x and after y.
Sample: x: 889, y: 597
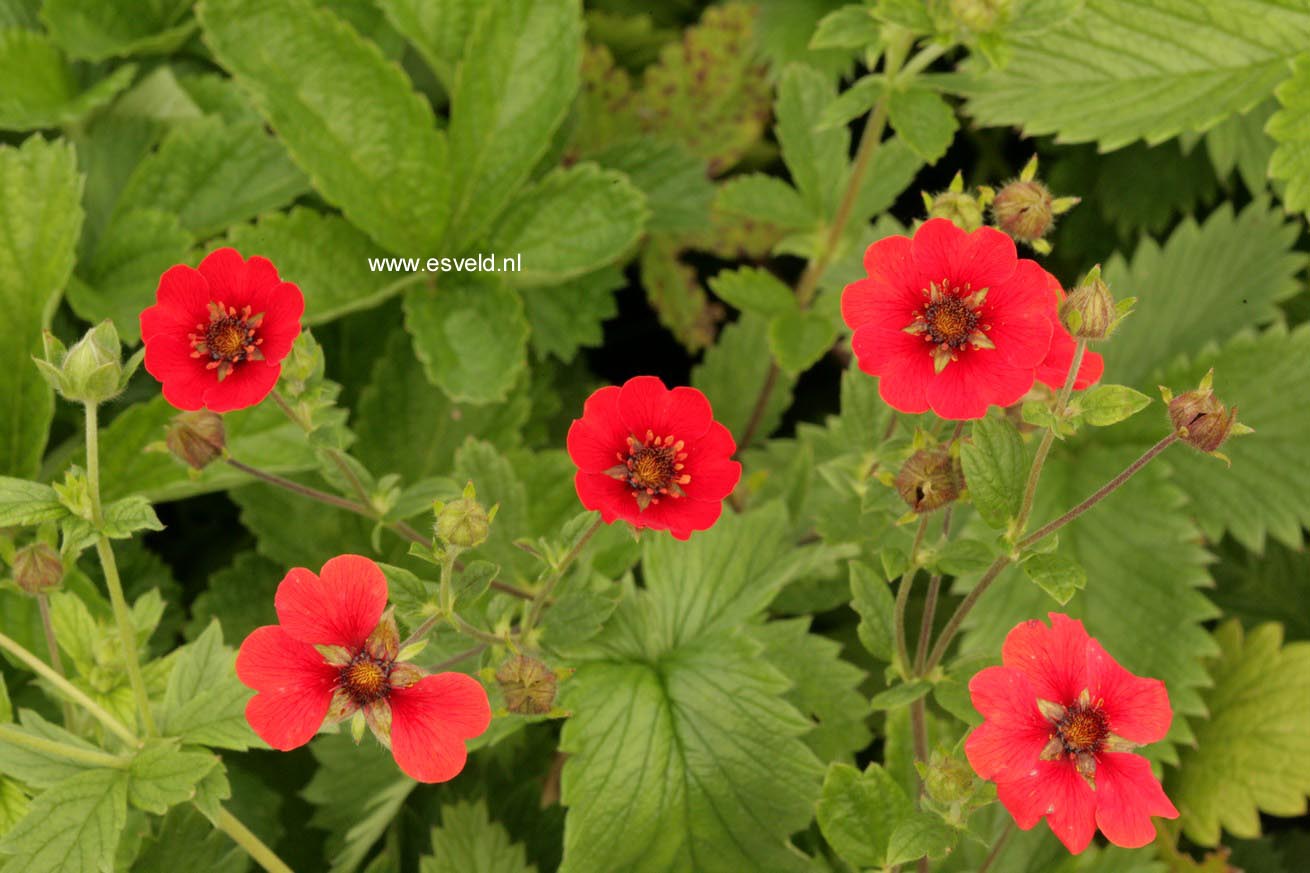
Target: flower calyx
x: 38, y: 569
x: 964, y: 209
x: 464, y: 523
x: 1090, y: 311
x: 1201, y: 420
x: 92, y: 371
x: 930, y: 479
x: 196, y: 438
x: 1025, y: 208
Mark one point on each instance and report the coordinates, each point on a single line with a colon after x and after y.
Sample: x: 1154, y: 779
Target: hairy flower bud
x: 92, y: 371
x: 528, y: 685
x: 948, y: 779
x: 1026, y: 210
x: 963, y: 209
x: 38, y: 569
x: 464, y: 523
x: 1090, y: 311
x: 196, y: 438
x: 929, y: 480
x: 1201, y: 420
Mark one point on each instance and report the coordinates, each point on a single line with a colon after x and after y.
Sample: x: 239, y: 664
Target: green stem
x: 461, y: 656
x: 903, y: 598
x: 253, y: 845
x: 337, y: 457
x: 52, y: 644
x: 1044, y: 447
x: 997, y: 847
x: 543, y: 595
x: 68, y: 689
x: 469, y: 630
x: 122, y: 613
x: 90, y: 757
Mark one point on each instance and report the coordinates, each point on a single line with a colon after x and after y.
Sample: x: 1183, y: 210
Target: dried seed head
x: 196, y: 438
x: 1026, y: 209
x: 1201, y: 419
x: 528, y: 685
x: 929, y: 480
x: 38, y: 569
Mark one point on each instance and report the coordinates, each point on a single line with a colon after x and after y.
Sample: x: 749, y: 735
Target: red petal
x: 641, y: 404
x: 294, y: 684
x: 185, y: 379
x: 1053, y: 658
x: 905, y: 388
x: 1138, y: 709
x: 680, y: 516
x: 282, y: 306
x: 182, y: 303
x: 1055, y: 791
x: 598, y: 440
x: 431, y: 719
x: 1055, y: 367
x: 890, y: 260
x: 1020, y: 312
x: 340, y: 607
x: 247, y: 385
x: 882, y: 350
x: 611, y: 497
x: 1127, y: 795
x: 981, y: 259
x: 1009, y: 742
x: 874, y: 302
x: 978, y: 379
x: 646, y: 405
x: 226, y: 272
x: 709, y: 463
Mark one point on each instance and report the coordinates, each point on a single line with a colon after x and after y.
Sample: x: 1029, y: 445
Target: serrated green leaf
x: 1258, y: 587
x: 825, y: 688
x: 676, y: 182
x: 40, y: 88
x: 817, y: 159
x: 995, y: 468
x: 1105, y: 405
x: 356, y: 793
x: 163, y: 775
x: 468, y: 840
x: 1290, y: 128
x: 920, y: 834
x: 889, y: 173
x: 859, y: 811
x: 40, y: 769
x: 1057, y: 575
x: 872, y: 599
x: 752, y: 289
x: 764, y: 198
x: 96, y: 31
x: 572, y: 222
x: 28, y: 503
x: 205, y: 702
x: 675, y: 293
x: 239, y: 596
x: 125, y: 517
x: 1087, y: 80
x: 732, y: 374
x: 923, y: 121
x: 900, y: 695
x: 799, y: 340
x: 855, y: 101
x: 566, y: 318
x: 14, y: 804
x: 1235, y: 268
x: 186, y: 841
x: 851, y: 27
x: 1253, y: 754
x: 471, y: 336
x: 348, y: 116
x: 963, y: 556
x: 437, y: 28
x: 518, y: 79
x: 1240, y: 143
x: 40, y: 219
x: 575, y: 617
x: 73, y: 827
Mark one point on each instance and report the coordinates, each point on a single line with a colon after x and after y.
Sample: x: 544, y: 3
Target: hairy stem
x: 260, y: 853
x: 302, y: 490
x: 52, y: 644
x: 903, y: 598
x: 1044, y: 447
x: 91, y: 758
x: 122, y: 613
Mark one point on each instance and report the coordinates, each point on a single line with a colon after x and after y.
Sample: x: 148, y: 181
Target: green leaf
x: 909, y: 14
x: 1258, y: 587
x: 73, y: 827
x: 471, y: 336
x: 764, y: 198
x: 920, y: 834
x: 164, y: 775
x: 40, y: 87
x: 239, y: 596
x: 675, y: 293
x: 900, y: 695
x: 40, y: 769
x: 996, y: 469
x: 96, y: 31
x: 1290, y: 128
x: 1086, y: 80
x: 732, y: 374
x: 468, y: 840
x: 850, y: 27
x: 357, y: 791
x: 890, y: 172
x: 817, y: 159
x: 437, y: 28
x: 1240, y: 143
x: 1057, y: 575
x: 872, y: 599
x: 186, y: 841
x: 1235, y: 269
x: 752, y: 289
x: 125, y: 517
x: 923, y: 120
x: 572, y: 222
x: 512, y: 91
x: 859, y: 811
x: 213, y: 175
x: 569, y: 317
x: 855, y: 101
x: 799, y: 340
x: 1253, y: 754
x: 14, y: 804
x: 348, y: 116
x: 40, y: 219
x: 676, y: 183
x: 6, y: 706
x: 1110, y: 404
x: 205, y: 702
x: 963, y: 556
x: 325, y: 255
x: 576, y: 617
x: 825, y: 688
x: 23, y: 503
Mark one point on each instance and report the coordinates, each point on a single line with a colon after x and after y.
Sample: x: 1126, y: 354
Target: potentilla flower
x: 652, y: 457
x: 1054, y: 368
x: 216, y: 335
x: 333, y: 654
x: 1062, y: 718
x: 950, y: 321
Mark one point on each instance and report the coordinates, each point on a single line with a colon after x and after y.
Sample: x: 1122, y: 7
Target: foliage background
x: 655, y: 167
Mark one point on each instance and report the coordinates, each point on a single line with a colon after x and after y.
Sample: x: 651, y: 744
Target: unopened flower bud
x: 92, y: 371
x: 963, y: 209
x: 464, y: 522
x: 929, y: 480
x: 948, y: 779
x: 1026, y: 210
x: 196, y: 438
x: 1090, y: 311
x: 527, y: 684
x: 38, y: 569
x: 1201, y: 420
x: 980, y: 16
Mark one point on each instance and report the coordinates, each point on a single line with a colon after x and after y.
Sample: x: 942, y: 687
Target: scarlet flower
x: 950, y: 321
x: 653, y: 457
x: 1055, y: 367
x: 216, y: 335
x: 1061, y: 719
x: 333, y: 654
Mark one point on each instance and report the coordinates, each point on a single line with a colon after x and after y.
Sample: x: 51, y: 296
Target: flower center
x: 1082, y: 730
x: 229, y: 338
x: 652, y: 468
x: 950, y: 321
x: 365, y: 678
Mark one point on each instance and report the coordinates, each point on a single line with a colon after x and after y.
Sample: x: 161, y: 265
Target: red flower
x: 216, y: 336
x: 1055, y: 367
x: 1061, y: 717
x: 950, y: 321
x: 333, y: 654
x: 653, y: 457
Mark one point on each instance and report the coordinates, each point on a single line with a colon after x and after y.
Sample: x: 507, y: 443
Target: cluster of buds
x: 1025, y: 208
x: 92, y: 371
x: 1201, y: 420
x: 966, y: 210
x: 1090, y: 312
